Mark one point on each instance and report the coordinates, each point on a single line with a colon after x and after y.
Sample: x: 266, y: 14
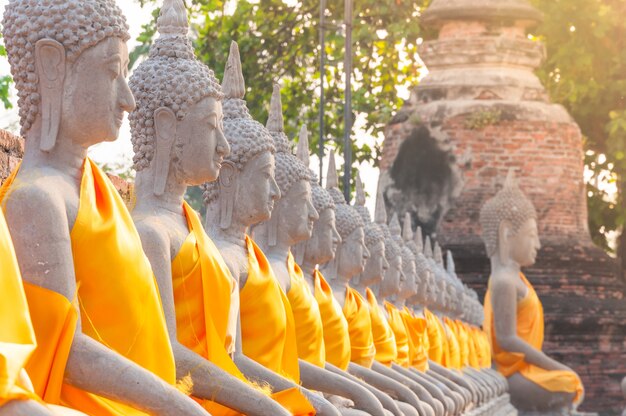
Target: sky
x: 119, y: 154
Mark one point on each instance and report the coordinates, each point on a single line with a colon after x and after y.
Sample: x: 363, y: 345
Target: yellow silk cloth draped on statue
x: 117, y: 295
x: 203, y: 288
x: 308, y: 320
x: 17, y: 338
x: 336, y: 332
x: 384, y: 339
x: 400, y: 333
x: 267, y: 324
x: 418, y: 339
x: 435, y: 343
x: 463, y: 339
x: 454, y: 348
x: 530, y: 328
x: 356, y: 311
x: 473, y: 360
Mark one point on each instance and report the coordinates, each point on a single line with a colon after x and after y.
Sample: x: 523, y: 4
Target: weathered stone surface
x: 486, y: 112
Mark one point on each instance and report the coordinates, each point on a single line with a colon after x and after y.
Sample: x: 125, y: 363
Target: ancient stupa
x: 480, y: 111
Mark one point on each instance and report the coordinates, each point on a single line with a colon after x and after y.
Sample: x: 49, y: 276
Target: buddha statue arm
x: 392, y: 387
x: 387, y: 402
x: 411, y: 383
x: 504, y: 301
x: 24, y: 408
x: 320, y: 379
x: 44, y: 251
x: 452, y: 380
x: 209, y: 381
x: 434, y: 390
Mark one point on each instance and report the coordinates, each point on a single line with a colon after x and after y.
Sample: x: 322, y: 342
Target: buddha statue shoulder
x: 177, y: 131
x: 513, y: 311
x: 93, y: 301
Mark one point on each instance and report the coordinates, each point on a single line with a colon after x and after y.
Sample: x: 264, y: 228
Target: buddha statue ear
x: 228, y: 193
x: 50, y: 61
x: 272, y: 227
x: 165, y: 124
x: 504, y: 233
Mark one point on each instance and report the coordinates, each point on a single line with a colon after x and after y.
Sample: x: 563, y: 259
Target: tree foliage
x: 585, y: 71
x: 5, y: 81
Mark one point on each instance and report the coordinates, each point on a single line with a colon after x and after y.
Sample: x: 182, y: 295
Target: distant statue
x: 513, y: 311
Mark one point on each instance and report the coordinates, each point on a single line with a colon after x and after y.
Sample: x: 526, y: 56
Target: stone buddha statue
x: 245, y: 193
x: 177, y: 133
x: 292, y: 222
x: 513, y: 311
x: 102, y: 342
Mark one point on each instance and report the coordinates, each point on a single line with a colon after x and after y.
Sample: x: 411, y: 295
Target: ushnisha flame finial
x: 394, y: 225
x: 428, y: 248
x: 380, y: 215
x: 302, y: 151
x: 451, y: 269
x: 332, y: 180
x: 407, y: 230
x: 360, y: 191
x: 438, y: 254
x: 173, y: 18
x: 233, y: 84
x: 419, y: 240
x: 275, y: 122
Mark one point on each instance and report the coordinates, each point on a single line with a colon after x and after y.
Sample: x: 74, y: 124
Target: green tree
x: 5, y: 81
x: 586, y: 72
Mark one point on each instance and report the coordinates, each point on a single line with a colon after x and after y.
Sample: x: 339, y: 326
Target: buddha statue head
x: 408, y: 286
x: 509, y: 226
x: 294, y: 215
x: 177, y: 125
x: 374, y: 241
x: 422, y: 272
x: 439, y: 289
x: 69, y: 61
x: 394, y: 275
x: 321, y: 247
x: 246, y: 191
x: 352, y: 255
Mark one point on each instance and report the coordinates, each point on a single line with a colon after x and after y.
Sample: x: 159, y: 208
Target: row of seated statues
x: 285, y: 301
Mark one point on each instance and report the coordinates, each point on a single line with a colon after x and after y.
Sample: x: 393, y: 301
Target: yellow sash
x: 336, y: 332
x: 418, y: 340
x: 400, y: 332
x: 308, y: 320
x: 453, y: 344
x: 435, y: 341
x: 462, y: 337
x: 356, y: 311
x: 530, y: 328
x: 203, y: 287
x: 267, y: 324
x: 117, y: 295
x: 384, y: 339
x: 17, y: 338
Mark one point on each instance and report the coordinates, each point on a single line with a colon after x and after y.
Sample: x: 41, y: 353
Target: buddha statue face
x: 353, y: 254
x: 321, y: 247
x: 409, y: 285
x: 295, y: 213
x: 376, y: 265
x: 521, y: 246
x: 257, y: 191
x: 394, y: 277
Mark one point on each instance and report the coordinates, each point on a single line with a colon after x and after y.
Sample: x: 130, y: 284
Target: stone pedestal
x: 486, y: 112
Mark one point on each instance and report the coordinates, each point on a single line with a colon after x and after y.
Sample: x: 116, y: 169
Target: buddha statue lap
x: 292, y: 222
x: 244, y: 195
x: 179, y: 98
x: 102, y: 342
x: 350, y: 261
x: 513, y: 312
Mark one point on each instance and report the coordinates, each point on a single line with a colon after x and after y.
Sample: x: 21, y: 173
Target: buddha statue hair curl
x: 347, y: 218
x: 77, y: 25
x: 509, y: 204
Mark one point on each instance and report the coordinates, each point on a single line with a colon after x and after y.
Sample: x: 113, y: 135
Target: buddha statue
x: 245, y: 194
x: 513, y: 311
x: 102, y: 342
x: 179, y: 98
x: 292, y: 222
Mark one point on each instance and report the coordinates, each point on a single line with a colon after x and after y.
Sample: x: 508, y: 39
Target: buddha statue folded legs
x: 513, y: 312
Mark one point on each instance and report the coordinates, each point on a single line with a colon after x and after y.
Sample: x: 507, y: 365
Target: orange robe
x: 268, y: 332
x: 384, y: 338
x: 357, y: 314
x: 336, y: 332
x: 204, y: 293
x: 418, y: 340
x: 308, y: 320
x: 530, y: 328
x: 117, y: 297
x: 400, y: 332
